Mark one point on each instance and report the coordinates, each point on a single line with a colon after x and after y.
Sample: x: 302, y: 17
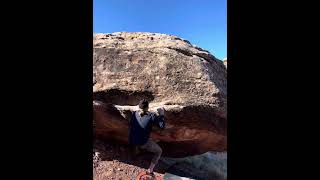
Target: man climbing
x: 140, y: 128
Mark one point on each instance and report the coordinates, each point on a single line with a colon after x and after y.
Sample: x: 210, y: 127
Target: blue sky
x: 202, y: 22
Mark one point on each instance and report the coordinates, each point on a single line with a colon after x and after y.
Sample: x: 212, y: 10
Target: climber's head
x: 144, y: 105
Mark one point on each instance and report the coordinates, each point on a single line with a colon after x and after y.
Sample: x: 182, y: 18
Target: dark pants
x: 153, y: 147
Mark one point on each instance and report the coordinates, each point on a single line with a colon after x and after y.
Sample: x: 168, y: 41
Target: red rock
x: 189, y: 82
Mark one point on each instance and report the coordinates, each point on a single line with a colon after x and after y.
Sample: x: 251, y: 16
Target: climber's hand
x: 161, y: 111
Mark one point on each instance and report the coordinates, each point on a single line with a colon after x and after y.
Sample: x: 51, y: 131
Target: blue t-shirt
x: 140, y: 127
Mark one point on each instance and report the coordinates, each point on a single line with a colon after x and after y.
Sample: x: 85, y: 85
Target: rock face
x: 186, y: 80
x: 209, y: 165
x: 225, y: 62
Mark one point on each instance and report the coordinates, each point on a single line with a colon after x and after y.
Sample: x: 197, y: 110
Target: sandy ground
x: 114, y: 161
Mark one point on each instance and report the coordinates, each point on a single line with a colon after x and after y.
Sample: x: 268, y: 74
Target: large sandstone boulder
x: 189, y: 82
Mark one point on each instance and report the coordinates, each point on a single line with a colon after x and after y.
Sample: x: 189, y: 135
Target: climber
x: 140, y: 128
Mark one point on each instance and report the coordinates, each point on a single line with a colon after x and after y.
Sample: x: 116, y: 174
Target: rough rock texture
x: 186, y: 80
x: 112, y: 161
x: 209, y: 165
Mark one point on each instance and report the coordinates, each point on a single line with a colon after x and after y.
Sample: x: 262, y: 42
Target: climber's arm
x: 159, y: 119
